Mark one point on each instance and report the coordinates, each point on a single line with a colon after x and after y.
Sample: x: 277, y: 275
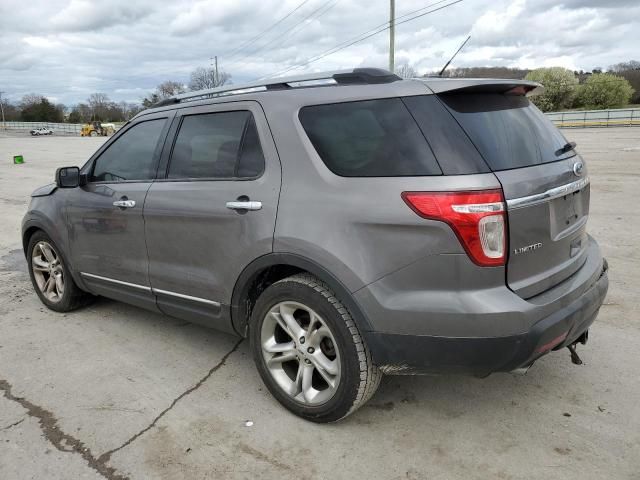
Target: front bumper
x: 423, y: 354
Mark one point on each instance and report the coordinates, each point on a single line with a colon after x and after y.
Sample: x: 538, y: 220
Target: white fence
x: 622, y: 117
x: 64, y: 128
x: 59, y: 128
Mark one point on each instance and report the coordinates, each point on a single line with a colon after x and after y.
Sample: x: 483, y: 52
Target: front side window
x: 371, y: 138
x: 217, y: 145
x: 131, y: 156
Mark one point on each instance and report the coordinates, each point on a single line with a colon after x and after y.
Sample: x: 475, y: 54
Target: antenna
x: 454, y: 56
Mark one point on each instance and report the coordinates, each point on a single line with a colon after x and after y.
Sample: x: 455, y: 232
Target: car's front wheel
x: 51, y: 277
x: 309, y: 351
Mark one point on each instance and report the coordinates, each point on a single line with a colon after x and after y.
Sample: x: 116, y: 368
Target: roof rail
x: 342, y: 77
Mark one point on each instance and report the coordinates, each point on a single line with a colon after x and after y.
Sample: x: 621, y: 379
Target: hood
x: 44, y: 191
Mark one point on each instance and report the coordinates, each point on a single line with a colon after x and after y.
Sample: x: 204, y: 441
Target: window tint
x: 217, y: 145
x: 508, y: 130
x: 453, y: 149
x: 373, y: 138
x: 131, y: 156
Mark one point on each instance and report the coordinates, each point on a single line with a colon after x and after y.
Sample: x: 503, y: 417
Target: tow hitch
x: 575, y: 358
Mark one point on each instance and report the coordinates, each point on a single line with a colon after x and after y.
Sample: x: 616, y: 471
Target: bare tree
x: 203, y: 78
x: 30, y: 99
x: 486, y: 72
x: 129, y: 110
x: 99, y: 103
x: 624, y: 66
x: 169, y: 89
x: 406, y: 71
x: 166, y: 89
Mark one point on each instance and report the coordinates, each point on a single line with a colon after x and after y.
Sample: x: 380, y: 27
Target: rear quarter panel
x: 358, y: 228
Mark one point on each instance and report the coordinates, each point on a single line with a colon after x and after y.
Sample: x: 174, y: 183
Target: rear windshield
x: 372, y: 138
x: 509, y: 131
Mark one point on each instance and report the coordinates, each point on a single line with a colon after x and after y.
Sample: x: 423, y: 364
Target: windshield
x: 509, y: 131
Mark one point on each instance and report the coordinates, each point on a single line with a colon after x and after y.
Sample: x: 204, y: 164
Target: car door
x: 104, y: 216
x: 215, y: 210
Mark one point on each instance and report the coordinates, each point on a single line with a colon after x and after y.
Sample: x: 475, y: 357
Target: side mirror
x: 68, y: 177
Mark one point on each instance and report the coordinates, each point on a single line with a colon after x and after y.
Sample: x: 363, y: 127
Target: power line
x: 374, y: 29
x: 264, y: 32
x: 359, y: 38
x: 314, y: 14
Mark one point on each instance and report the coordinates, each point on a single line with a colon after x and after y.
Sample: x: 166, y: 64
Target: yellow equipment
x: 97, y: 129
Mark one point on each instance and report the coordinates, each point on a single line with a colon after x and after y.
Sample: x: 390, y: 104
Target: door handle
x: 124, y: 203
x: 248, y: 205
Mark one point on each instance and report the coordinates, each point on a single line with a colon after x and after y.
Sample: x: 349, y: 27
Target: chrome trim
x: 494, y: 207
x: 124, y: 203
x: 239, y: 205
x: 550, y: 194
x: 151, y: 290
x: 186, y: 297
x: 119, y: 282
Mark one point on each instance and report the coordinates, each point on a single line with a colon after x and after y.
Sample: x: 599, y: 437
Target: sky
x: 66, y: 50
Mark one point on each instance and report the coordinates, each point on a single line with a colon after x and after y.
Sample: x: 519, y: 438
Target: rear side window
x: 131, y: 156
x: 508, y: 130
x: 372, y: 138
x: 451, y: 146
x: 217, y: 145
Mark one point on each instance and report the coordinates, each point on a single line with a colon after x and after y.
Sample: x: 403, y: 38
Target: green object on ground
x: 17, y: 159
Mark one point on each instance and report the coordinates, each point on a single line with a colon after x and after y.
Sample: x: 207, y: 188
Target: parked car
x: 349, y: 224
x: 41, y: 131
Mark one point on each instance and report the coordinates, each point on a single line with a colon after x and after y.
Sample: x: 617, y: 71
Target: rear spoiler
x: 482, y: 85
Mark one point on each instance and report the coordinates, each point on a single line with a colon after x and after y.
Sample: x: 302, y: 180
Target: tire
x: 350, y: 378
x: 61, y: 297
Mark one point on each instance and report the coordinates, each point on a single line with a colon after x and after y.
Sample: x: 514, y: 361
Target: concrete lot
x: 116, y: 392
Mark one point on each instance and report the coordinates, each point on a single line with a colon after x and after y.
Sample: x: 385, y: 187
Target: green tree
x: 631, y: 71
x: 559, y: 88
x: 36, y: 108
x: 604, y: 90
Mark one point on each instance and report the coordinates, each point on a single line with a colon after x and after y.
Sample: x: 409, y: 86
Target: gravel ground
x: 116, y: 392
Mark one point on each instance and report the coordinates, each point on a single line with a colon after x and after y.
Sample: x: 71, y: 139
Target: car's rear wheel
x: 51, y: 277
x: 309, y: 351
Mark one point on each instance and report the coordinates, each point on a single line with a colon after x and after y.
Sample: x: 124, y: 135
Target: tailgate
x: 544, y: 181
x: 548, y: 207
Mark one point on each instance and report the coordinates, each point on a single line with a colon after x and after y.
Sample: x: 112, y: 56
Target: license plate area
x: 567, y: 214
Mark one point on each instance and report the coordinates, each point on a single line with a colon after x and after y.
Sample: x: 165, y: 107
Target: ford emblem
x: 578, y: 168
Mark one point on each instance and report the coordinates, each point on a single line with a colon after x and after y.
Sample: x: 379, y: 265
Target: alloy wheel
x: 300, y: 353
x: 48, y: 271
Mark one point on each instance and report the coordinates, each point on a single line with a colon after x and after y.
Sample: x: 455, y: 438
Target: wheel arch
x: 265, y: 270
x: 27, y: 233
x: 39, y: 223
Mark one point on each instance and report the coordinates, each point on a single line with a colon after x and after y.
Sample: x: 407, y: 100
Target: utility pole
x: 215, y: 75
x: 2, y: 111
x: 392, y: 34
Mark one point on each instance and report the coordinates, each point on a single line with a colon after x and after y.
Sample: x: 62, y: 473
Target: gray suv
x: 350, y: 224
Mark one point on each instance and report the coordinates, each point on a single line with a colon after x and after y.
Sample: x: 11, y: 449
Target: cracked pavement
x: 115, y: 392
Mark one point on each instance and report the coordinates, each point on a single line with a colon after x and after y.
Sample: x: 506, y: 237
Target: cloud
x: 87, y: 15
x: 69, y: 49
x: 211, y: 13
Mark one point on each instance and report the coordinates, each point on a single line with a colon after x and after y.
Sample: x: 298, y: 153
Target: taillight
x: 476, y: 217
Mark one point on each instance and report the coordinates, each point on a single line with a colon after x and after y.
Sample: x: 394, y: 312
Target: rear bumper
x: 415, y: 354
